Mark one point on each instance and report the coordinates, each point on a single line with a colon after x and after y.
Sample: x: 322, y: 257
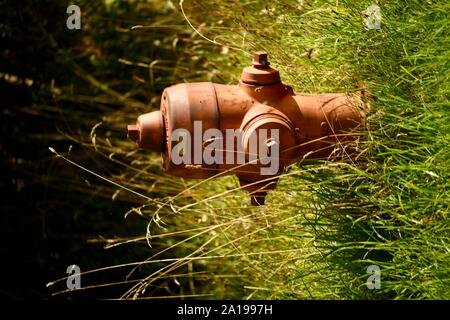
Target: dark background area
x: 51, y: 211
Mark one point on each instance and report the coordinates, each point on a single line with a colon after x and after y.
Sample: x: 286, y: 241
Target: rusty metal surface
x: 310, y: 125
x: 259, y: 73
x: 149, y: 131
x: 181, y: 105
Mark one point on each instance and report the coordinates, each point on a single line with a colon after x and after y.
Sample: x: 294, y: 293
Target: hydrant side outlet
x: 253, y: 130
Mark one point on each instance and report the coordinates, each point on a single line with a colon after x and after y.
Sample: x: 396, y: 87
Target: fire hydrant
x: 254, y: 129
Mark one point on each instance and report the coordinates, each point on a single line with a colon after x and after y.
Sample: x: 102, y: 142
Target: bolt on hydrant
x: 253, y: 130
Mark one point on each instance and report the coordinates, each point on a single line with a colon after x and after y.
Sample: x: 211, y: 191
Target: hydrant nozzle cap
x: 260, y: 73
x: 149, y: 131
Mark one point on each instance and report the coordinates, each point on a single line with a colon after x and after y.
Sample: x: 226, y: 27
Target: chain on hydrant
x: 253, y: 130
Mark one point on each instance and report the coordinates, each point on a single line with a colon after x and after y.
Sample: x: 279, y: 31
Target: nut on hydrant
x: 253, y: 130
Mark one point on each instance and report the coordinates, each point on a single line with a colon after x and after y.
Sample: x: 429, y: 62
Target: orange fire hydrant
x: 254, y: 129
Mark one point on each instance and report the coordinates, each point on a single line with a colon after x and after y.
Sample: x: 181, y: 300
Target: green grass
x: 326, y: 221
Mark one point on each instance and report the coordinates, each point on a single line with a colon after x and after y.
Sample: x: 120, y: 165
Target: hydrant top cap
x: 260, y: 73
